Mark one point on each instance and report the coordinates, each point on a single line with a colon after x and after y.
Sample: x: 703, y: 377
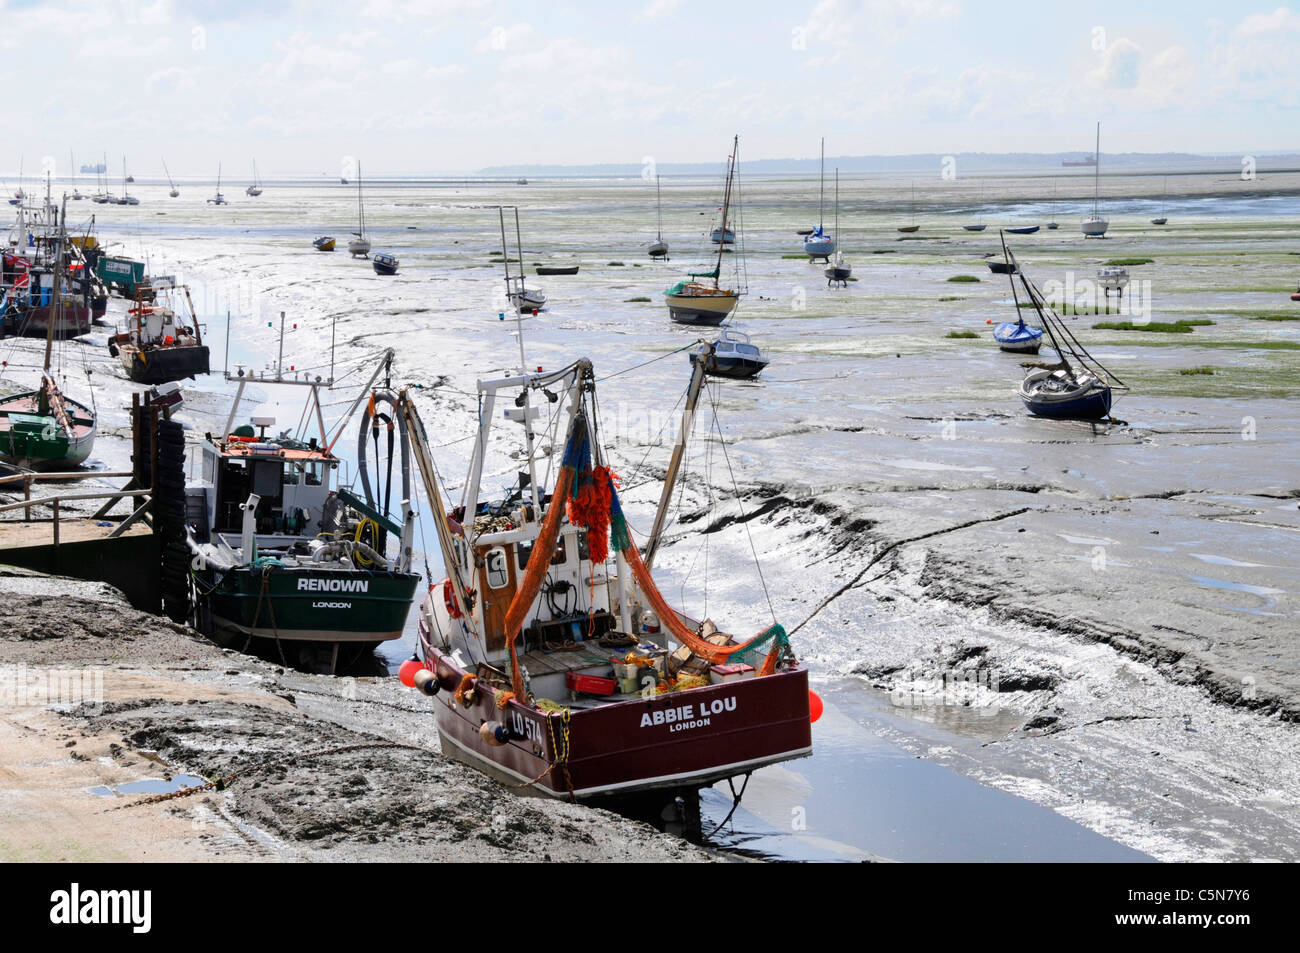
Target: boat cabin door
x: 497, y: 582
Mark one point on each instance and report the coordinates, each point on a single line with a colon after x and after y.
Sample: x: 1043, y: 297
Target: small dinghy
x: 557, y: 269
x: 324, y: 243
x: 1000, y: 267
x: 974, y: 228
x: 1052, y: 226
x: 385, y: 264
x: 1077, y: 387
x: 1296, y: 296
x: 1023, y: 230
x: 1018, y: 337
x: 733, y: 356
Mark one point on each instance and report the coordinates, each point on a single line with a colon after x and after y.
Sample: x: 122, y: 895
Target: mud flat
x: 100, y: 700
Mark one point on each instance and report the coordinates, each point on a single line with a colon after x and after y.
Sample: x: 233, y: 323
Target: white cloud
x: 657, y: 8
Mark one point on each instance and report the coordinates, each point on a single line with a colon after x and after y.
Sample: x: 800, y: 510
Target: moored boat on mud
x: 157, y: 345
x: 286, y: 557
x: 707, y: 302
x: 524, y: 645
x: 1075, y: 387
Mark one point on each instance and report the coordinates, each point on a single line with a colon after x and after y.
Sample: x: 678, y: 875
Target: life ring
x: 449, y: 599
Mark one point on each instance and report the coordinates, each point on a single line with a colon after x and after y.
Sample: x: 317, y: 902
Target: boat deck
x: 561, y: 662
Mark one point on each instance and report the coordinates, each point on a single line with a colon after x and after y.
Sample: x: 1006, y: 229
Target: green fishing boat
x: 320, y: 575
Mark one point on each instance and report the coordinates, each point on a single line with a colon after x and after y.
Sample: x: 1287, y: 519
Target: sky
x: 437, y: 86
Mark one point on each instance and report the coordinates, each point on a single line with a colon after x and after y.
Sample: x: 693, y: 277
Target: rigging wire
x: 740, y: 504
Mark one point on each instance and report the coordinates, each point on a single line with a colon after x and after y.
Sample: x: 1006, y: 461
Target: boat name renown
x: 686, y: 716
x: 333, y: 585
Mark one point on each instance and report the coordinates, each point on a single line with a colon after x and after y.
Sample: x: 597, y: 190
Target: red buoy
x: 815, y: 706
x: 406, y: 674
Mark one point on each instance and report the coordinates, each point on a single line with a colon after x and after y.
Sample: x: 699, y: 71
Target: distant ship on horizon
x: 1088, y: 161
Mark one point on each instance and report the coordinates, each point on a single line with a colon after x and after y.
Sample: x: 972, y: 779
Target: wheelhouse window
x: 498, y: 572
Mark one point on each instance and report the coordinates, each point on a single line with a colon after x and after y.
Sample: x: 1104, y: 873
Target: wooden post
x: 56, y: 522
x: 27, y: 495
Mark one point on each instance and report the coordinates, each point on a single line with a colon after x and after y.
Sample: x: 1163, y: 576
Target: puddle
x: 149, y: 786
x: 1225, y: 561
x: 860, y: 797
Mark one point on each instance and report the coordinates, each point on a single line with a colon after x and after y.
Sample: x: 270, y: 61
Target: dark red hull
x: 686, y: 739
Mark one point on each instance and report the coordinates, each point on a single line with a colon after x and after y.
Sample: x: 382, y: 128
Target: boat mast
x: 821, y: 199
x: 659, y: 215
x: 1096, y: 170
x: 837, y: 206
x: 56, y: 313
x: 679, y: 448
x: 361, y: 209
x: 726, y: 207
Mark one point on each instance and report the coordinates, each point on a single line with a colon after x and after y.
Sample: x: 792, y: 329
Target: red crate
x: 590, y: 684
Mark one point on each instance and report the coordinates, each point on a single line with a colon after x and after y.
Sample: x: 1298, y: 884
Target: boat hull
x: 659, y: 250
x: 1018, y: 338
x: 557, y: 269
x: 1094, y: 227
x: 1094, y: 404
x: 162, y: 364
x: 1023, y: 230
x: 816, y: 248
x: 679, y: 740
x: 736, y: 368
x: 299, y: 605
x: 974, y: 228
x: 323, y: 244
x: 75, y: 320
x: 837, y: 276
x: 909, y: 228
x: 703, y: 309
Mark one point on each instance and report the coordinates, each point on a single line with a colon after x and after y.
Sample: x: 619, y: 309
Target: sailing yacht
x: 707, y: 302
x: 523, y: 299
x: 659, y: 250
x: 1074, y: 387
x: 174, y: 191
x: 913, y: 227
x: 839, y: 271
x: 1094, y: 226
x: 127, y: 198
x: 817, y: 244
x: 1163, y: 219
x: 977, y: 226
x: 218, y: 199
x: 256, y: 188
x: 359, y: 246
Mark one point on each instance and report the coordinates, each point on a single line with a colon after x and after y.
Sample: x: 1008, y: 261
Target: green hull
x: 313, y: 605
x: 38, y: 441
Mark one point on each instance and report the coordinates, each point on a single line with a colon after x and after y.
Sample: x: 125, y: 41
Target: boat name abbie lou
x: 685, y: 716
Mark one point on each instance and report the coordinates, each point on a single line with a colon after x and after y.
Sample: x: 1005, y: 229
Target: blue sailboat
x: 1018, y: 337
x: 1076, y: 387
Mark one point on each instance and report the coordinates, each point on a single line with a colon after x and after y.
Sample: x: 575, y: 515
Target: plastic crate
x: 590, y: 684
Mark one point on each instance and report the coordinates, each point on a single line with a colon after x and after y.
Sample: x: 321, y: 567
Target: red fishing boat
x: 526, y: 646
